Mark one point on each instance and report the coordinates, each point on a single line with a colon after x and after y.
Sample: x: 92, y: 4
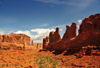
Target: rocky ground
x: 20, y: 58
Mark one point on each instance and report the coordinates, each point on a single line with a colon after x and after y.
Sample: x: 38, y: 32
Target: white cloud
x: 23, y: 32
x: 69, y: 2
x: 37, y: 38
x: 60, y: 29
x: 1, y: 32
x: 44, y: 25
x: 41, y: 33
x: 79, y: 21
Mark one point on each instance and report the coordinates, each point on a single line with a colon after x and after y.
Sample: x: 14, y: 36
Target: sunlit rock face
x: 70, y: 31
x: 54, y: 36
x: 45, y: 42
x: 90, y: 23
x: 16, y: 38
x: 89, y: 34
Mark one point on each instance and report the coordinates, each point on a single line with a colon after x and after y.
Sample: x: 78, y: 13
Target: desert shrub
x: 44, y: 61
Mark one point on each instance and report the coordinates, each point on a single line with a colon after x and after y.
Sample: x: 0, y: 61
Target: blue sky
x: 36, y: 18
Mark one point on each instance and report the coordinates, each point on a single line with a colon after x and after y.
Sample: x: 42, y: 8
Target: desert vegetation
x: 11, y: 58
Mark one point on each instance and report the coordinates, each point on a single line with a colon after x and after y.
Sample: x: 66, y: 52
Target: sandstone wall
x: 89, y: 34
x: 70, y: 31
x: 16, y: 38
x: 54, y: 36
x: 90, y: 23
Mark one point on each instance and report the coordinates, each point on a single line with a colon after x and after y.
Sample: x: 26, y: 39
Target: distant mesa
x: 89, y: 34
x: 19, y: 41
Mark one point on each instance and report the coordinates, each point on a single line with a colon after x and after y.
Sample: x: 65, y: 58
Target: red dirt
x: 28, y: 58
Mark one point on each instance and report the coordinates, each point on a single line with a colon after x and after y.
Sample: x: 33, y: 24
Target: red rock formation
x: 16, y: 38
x: 73, y: 30
x: 54, y: 36
x: 1, y: 38
x: 66, y: 35
x: 89, y: 34
x: 51, y: 37
x: 70, y: 31
x: 32, y: 42
x: 90, y: 23
x: 45, y: 42
x: 89, y: 51
x: 83, y: 51
x: 39, y: 45
x: 57, y: 36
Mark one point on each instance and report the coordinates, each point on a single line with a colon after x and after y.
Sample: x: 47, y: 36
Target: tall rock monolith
x: 54, y: 36
x: 45, y: 42
x: 32, y: 43
x: 70, y: 31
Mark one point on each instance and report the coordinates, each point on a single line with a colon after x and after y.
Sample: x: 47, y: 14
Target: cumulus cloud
x: 41, y: 33
x: 79, y: 21
x: 2, y: 32
x: 24, y: 32
x: 36, y: 35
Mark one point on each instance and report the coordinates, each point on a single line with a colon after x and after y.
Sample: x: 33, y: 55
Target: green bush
x: 43, y: 61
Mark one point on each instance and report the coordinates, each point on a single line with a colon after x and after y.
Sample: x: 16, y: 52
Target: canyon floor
x: 15, y: 58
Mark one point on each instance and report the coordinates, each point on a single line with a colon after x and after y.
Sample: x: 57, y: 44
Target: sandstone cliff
x: 70, y: 31
x: 54, y: 36
x: 89, y: 34
x: 16, y: 38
